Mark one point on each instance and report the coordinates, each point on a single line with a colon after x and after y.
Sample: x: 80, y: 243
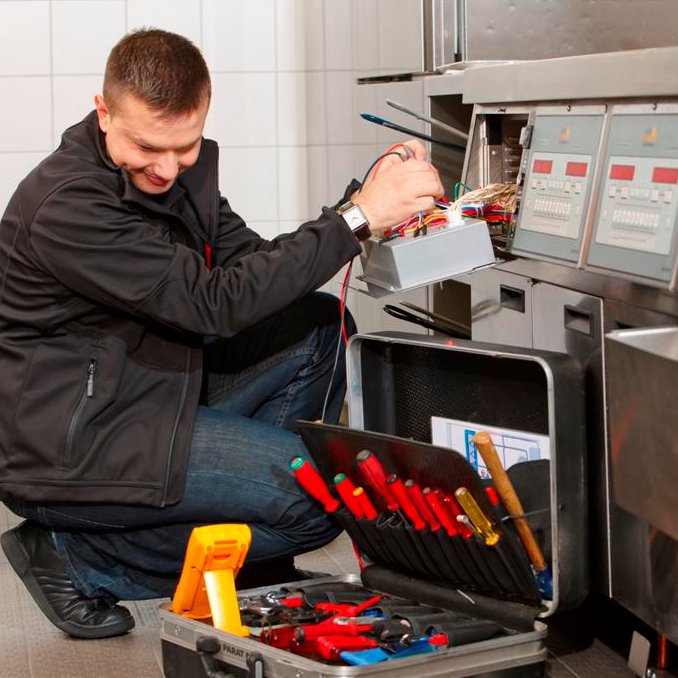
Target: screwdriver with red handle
x: 440, y: 512
x: 345, y: 487
x: 375, y: 475
x: 312, y: 482
x: 402, y: 497
x: 419, y: 501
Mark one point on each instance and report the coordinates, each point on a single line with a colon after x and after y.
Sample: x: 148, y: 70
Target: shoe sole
x: 18, y: 559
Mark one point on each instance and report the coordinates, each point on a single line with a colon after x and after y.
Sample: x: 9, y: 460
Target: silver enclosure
x: 642, y: 388
x: 404, y: 263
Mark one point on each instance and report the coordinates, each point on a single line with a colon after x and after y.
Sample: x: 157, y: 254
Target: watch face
x: 354, y: 217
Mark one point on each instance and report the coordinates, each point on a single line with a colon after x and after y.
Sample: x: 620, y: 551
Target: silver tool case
x: 396, y: 383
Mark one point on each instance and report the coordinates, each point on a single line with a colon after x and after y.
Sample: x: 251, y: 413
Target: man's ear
x: 102, y: 113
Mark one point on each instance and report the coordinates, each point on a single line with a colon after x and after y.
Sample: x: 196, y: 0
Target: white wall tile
x: 299, y: 33
x: 178, y: 16
x: 292, y: 125
x: 363, y: 157
x: 340, y: 107
x: 338, y: 37
x: 266, y: 229
x: 289, y: 32
x: 316, y: 108
x: 25, y: 114
x: 83, y: 34
x: 13, y: 168
x: 318, y: 193
x: 24, y: 37
x: 364, y: 32
x: 248, y: 177
x: 73, y: 100
x: 293, y: 184
x: 365, y: 96
x: 239, y: 35
x: 243, y: 110
x: 341, y: 169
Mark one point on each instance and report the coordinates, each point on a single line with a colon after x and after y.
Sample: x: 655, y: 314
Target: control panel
x: 635, y: 226
x: 559, y: 175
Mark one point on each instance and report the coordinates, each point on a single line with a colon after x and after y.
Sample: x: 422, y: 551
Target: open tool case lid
x: 397, y: 382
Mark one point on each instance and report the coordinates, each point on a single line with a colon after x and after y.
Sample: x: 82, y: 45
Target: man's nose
x: 167, y: 166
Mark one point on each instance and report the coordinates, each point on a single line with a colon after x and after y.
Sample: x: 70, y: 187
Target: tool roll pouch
x: 458, y: 561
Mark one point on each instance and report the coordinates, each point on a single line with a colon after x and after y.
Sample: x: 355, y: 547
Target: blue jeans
x: 256, y: 386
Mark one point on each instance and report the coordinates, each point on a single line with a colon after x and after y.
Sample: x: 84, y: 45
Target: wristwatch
x: 356, y: 219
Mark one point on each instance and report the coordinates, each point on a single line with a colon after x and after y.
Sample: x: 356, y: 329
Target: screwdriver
x: 311, y: 481
x: 366, y: 507
x: 419, y: 501
x: 409, y: 509
x: 375, y: 475
x: 345, y: 488
x: 440, y: 512
x: 479, y: 520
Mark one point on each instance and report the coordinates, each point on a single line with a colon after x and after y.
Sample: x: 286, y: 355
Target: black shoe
x: 31, y: 552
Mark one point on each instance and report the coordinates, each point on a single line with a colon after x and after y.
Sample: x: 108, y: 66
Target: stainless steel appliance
x: 398, y: 38
x: 590, y: 268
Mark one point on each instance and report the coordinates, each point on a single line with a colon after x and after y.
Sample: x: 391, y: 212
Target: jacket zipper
x: 88, y: 393
x: 182, y: 401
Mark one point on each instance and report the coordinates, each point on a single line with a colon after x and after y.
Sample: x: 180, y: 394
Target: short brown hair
x: 165, y: 70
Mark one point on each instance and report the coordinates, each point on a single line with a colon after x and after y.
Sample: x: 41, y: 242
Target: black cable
x: 381, y: 157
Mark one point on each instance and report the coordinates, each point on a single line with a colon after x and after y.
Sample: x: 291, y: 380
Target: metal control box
x: 403, y: 263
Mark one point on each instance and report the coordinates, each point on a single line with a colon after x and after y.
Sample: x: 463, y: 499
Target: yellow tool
x: 479, y: 520
x: 206, y: 588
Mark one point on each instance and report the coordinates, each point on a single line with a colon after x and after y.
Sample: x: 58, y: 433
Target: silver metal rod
x: 426, y: 118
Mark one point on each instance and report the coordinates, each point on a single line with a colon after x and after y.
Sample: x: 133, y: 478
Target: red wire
x: 342, y: 300
x: 388, y: 150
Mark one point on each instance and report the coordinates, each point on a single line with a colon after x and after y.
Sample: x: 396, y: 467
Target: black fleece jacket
x: 105, y: 297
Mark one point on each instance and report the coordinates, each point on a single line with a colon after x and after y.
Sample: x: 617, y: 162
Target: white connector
x: 454, y: 217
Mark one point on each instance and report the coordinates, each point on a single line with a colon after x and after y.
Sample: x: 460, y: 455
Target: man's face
x: 153, y: 148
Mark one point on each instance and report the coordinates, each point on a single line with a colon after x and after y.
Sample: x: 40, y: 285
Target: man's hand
x: 400, y: 188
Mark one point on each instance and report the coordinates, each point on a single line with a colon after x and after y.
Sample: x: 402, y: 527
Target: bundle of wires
x: 494, y: 203
x: 420, y: 223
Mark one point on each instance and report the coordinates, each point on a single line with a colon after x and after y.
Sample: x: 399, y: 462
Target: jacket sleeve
x: 234, y: 240
x: 108, y: 253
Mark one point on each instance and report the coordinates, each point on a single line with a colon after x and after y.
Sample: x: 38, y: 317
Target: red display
x: 622, y: 172
x: 542, y: 166
x: 576, y: 169
x: 665, y: 175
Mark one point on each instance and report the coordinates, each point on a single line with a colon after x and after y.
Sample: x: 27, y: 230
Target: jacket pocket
x: 78, y: 415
